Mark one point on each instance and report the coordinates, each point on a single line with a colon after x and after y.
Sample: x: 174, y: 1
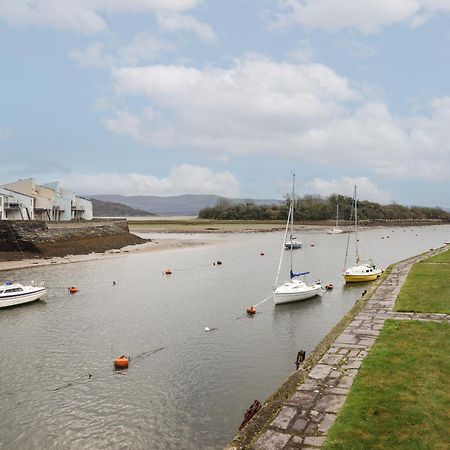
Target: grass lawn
x: 401, y: 396
x: 440, y: 258
x: 427, y: 288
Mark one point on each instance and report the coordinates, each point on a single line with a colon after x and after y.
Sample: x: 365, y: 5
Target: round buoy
x: 121, y: 362
x: 168, y: 272
x: 73, y: 290
x: 251, y: 310
x: 262, y: 253
x: 219, y: 263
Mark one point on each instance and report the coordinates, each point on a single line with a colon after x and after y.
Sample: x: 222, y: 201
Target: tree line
x: 314, y: 208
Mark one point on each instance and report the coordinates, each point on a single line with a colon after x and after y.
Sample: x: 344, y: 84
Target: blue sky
x: 164, y: 97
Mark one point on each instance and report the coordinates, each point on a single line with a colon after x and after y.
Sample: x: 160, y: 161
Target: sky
x: 228, y: 97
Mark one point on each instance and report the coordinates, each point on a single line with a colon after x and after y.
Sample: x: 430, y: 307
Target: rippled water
x: 192, y: 393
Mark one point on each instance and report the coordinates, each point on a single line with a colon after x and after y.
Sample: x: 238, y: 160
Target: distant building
x: 2, y: 207
x: 16, y: 206
x: 26, y: 200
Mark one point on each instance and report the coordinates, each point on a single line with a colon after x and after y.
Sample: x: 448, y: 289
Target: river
x: 185, y: 388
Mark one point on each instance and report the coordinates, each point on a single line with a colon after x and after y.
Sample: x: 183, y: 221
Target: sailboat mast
x: 283, y: 245
x: 337, y: 215
x: 356, y: 227
x: 292, y: 221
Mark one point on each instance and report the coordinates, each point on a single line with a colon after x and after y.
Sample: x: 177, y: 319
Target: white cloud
x: 144, y: 47
x: 175, y: 22
x: 366, y: 16
x: 86, y: 16
x: 301, y: 112
x: 184, y: 179
x: 366, y: 189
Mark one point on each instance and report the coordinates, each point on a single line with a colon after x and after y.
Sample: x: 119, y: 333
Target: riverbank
x: 17, y: 260
x: 302, y: 411
x: 195, y: 225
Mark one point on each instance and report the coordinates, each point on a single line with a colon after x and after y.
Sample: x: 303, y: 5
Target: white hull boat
x: 293, y: 244
x: 12, y: 294
x: 336, y: 229
x: 293, y: 290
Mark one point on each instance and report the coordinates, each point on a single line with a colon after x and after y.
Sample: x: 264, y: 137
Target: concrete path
x: 306, y: 417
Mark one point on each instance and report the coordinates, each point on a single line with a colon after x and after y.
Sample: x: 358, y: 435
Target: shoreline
x: 147, y: 247
x: 195, y: 226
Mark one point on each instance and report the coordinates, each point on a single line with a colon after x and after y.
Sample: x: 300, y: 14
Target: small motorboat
x: 12, y: 294
x: 293, y: 243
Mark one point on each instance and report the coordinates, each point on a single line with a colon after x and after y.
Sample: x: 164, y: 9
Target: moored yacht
x: 293, y: 290
x: 362, y: 271
x: 336, y: 229
x: 12, y: 294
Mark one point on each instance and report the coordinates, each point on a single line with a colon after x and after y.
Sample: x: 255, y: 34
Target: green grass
x: 443, y: 258
x: 427, y: 288
x: 401, y: 396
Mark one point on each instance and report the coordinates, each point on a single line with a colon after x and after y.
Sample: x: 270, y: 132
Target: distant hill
x: 102, y: 208
x: 180, y: 205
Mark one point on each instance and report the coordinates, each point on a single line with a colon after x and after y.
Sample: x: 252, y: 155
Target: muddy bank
x: 195, y: 225
x: 81, y: 246
x: 26, y: 239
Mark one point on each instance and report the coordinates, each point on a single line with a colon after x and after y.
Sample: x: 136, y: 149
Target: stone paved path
x: 306, y: 417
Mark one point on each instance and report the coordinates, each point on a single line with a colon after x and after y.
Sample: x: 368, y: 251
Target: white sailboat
x: 364, y: 270
x: 336, y: 229
x: 294, y: 289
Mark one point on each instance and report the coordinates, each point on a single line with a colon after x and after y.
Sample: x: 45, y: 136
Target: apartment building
x: 26, y: 200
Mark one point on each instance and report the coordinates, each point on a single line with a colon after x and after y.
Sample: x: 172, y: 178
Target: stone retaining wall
x: 28, y: 235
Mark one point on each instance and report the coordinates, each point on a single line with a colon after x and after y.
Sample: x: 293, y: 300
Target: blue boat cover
x: 298, y: 274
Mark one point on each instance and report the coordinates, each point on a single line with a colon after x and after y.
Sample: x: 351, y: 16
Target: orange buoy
x: 121, y: 362
x: 328, y: 287
x: 251, y: 310
x: 73, y: 290
x: 168, y: 272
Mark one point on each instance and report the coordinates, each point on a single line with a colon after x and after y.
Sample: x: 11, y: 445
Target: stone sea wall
x: 34, y: 236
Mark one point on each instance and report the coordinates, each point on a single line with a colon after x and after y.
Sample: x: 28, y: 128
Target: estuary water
x: 185, y: 388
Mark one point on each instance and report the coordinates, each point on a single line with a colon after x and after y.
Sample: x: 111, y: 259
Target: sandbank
x: 151, y: 246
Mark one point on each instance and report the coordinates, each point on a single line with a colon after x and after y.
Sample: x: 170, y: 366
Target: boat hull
x: 294, y: 246
x: 289, y: 297
x: 20, y: 299
x: 335, y: 231
x: 361, y: 278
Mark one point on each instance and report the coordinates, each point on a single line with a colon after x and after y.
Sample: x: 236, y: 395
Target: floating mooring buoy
x: 121, y: 362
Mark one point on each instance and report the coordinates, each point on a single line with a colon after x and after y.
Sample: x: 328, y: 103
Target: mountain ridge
x: 177, y: 205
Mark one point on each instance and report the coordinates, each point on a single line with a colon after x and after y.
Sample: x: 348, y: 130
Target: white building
x: 26, y: 200
x: 2, y: 209
x: 83, y: 209
x: 16, y: 206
